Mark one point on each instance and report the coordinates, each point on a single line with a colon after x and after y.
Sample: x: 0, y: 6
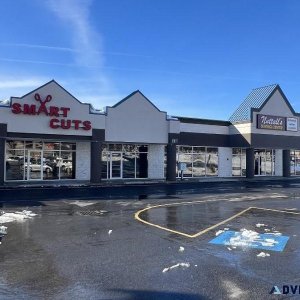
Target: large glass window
x: 124, y: 161
x: 197, y: 161
x: 38, y: 160
x: 295, y: 162
x: 238, y: 162
x: 14, y: 160
x: 264, y: 162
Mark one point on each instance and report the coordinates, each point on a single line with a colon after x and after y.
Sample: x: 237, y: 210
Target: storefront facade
x: 49, y: 135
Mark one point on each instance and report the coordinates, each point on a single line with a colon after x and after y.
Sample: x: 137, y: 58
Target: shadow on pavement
x: 153, y: 295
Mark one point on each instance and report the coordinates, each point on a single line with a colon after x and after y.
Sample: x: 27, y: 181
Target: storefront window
x: 33, y: 145
x: 187, y: 159
x: 68, y: 146
x: 295, y: 162
x: 199, y: 165
x: 198, y: 161
x: 51, y: 159
x: 14, y: 160
x: 212, y: 162
x: 115, y: 147
x: 129, y: 159
x: 35, y: 160
x: 52, y: 146
x: 66, y: 164
x: 238, y: 162
x: 264, y: 162
x: 124, y: 161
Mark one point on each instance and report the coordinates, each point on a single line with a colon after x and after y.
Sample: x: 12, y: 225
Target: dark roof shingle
x: 254, y: 100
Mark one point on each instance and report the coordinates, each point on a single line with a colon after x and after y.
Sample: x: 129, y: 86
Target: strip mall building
x: 49, y: 135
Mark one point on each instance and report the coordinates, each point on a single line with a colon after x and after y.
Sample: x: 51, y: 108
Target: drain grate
x: 91, y: 212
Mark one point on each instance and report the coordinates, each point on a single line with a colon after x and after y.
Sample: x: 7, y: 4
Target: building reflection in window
x: 38, y: 160
x: 199, y: 161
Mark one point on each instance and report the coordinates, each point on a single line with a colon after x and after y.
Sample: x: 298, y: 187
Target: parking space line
x: 137, y: 217
x: 276, y: 210
x: 221, y: 223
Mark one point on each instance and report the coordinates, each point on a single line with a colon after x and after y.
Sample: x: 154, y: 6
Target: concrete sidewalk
x: 137, y: 190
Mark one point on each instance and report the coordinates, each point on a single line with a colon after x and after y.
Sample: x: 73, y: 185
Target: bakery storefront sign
x: 59, y: 116
x: 271, y: 122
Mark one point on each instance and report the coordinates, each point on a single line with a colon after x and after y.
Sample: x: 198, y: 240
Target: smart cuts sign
x: 277, y: 123
x: 58, y: 116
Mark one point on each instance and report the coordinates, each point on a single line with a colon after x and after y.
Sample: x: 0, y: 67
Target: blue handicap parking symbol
x: 261, y: 241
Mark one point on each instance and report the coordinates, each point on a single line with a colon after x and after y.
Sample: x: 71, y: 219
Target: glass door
x: 264, y: 162
x: 33, y: 165
x: 257, y: 165
x: 116, y: 165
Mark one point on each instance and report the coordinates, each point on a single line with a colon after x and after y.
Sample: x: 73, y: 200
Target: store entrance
x: 264, y: 162
x: 115, y: 165
x: 124, y: 161
x: 33, y: 166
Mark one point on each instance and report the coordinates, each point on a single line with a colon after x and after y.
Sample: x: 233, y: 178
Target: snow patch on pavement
x: 263, y: 254
x: 221, y: 231
x: 245, y: 238
x: 3, y: 230
x: 182, y: 265
x: 18, y: 216
x: 82, y: 203
x: 260, y: 225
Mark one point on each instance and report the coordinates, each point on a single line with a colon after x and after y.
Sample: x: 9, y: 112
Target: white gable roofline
x: 277, y: 88
x: 132, y: 94
x: 91, y: 109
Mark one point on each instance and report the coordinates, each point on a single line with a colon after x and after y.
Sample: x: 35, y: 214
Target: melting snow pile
x: 18, y: 216
x: 183, y: 265
x: 263, y: 254
x: 260, y: 225
x: 245, y: 238
x: 273, y: 233
x: 3, y: 230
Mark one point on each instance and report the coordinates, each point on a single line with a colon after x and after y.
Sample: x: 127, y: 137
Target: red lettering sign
x: 53, y: 123
x: 52, y: 111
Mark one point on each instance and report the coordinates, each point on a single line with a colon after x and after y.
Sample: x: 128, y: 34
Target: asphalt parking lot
x: 158, y: 246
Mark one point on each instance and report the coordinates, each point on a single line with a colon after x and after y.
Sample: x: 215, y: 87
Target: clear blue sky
x: 189, y: 57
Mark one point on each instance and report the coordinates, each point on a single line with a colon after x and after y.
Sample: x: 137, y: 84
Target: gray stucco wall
x: 136, y: 120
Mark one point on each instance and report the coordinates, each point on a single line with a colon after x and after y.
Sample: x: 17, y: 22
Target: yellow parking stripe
x: 137, y: 217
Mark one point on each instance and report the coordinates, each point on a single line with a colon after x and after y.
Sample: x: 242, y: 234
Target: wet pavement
x: 94, y: 248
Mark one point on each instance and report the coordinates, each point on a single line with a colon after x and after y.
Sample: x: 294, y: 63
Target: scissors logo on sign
x: 43, y: 107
